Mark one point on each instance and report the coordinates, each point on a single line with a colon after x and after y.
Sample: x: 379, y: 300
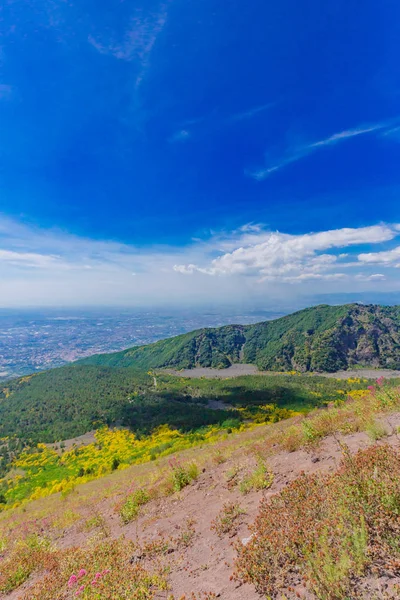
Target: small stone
x: 245, y: 541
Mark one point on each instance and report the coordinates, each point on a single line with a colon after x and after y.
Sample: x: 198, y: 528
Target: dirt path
x: 244, y: 369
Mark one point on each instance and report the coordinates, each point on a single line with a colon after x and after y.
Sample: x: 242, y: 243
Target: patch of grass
x: 93, y: 522
x: 24, y: 557
x: 330, y: 530
x: 65, y: 520
x: 182, y: 475
x: 219, y: 457
x: 352, y: 416
x: 187, y: 534
x: 228, y: 519
x: 3, y: 543
x: 130, y: 509
x: 376, y: 430
x: 332, y: 568
x: 232, y: 474
x: 258, y: 479
x: 97, y: 522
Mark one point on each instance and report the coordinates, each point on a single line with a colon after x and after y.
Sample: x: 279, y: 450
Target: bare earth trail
x: 243, y: 369
x: 205, y: 564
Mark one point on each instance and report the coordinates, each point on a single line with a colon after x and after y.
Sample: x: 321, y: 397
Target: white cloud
x: 372, y: 277
x: 299, y: 152
x: 28, y: 259
x: 186, y: 269
x: 51, y: 266
x: 388, y: 257
x: 348, y: 133
x: 283, y: 257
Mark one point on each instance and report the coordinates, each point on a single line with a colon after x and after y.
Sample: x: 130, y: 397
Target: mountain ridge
x: 319, y: 338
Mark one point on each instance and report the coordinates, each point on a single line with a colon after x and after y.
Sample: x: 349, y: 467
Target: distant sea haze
x: 31, y: 341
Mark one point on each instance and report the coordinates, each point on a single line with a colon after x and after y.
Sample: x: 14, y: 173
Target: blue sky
x: 198, y: 151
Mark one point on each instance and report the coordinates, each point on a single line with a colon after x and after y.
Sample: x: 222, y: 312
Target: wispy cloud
x: 297, y: 153
x: 393, y: 132
x: 29, y: 259
x: 346, y: 134
x: 215, y: 122
x: 251, y: 112
x: 138, y: 41
x: 180, y: 136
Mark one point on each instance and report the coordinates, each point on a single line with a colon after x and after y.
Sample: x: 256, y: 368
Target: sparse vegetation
x: 376, y: 430
x: 24, y: 556
x: 228, y: 519
x: 260, y: 478
x: 103, y: 571
x: 330, y: 529
x: 131, y: 507
x: 328, y: 534
x: 187, y: 534
x: 182, y: 475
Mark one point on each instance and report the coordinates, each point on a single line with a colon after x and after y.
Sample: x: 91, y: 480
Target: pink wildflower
x: 72, y: 580
x: 80, y: 590
x: 371, y: 388
x: 106, y: 571
x: 96, y: 578
x: 380, y: 381
x: 82, y: 573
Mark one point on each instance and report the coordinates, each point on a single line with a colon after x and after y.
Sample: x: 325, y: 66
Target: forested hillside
x: 321, y: 338
x: 69, y: 401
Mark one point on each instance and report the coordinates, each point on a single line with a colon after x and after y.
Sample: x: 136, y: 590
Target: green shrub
x: 259, y: 479
x: 376, y: 430
x: 182, y: 475
x: 129, y: 511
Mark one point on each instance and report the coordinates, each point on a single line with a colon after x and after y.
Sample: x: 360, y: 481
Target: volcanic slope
x: 320, y: 338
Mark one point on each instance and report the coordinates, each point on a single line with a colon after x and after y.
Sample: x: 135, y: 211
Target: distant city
x: 31, y: 341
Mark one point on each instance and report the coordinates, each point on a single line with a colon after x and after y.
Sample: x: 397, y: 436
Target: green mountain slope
x: 115, y: 388
x: 321, y: 338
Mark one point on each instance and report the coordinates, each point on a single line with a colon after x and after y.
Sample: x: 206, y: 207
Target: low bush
x: 130, y: 509
x: 182, y: 475
x: 258, y: 479
x: 330, y: 530
x: 376, y: 430
x: 104, y: 571
x: 228, y: 519
x: 24, y: 557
